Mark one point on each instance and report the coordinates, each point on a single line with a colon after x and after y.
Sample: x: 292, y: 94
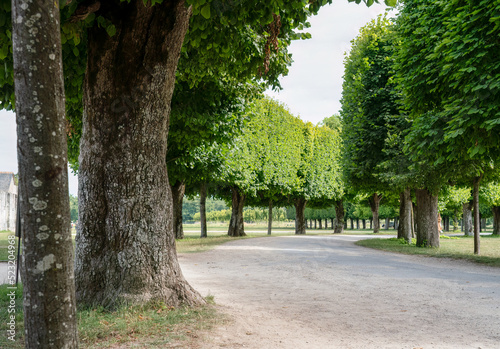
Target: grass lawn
x: 456, y: 247
x: 150, y: 326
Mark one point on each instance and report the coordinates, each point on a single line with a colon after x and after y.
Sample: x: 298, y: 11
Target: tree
x: 368, y: 104
x: 451, y: 89
x: 261, y: 165
x: 491, y: 195
x: 47, y: 264
x: 120, y: 64
x: 319, y: 173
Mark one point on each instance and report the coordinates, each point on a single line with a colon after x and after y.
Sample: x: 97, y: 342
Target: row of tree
x: 421, y: 113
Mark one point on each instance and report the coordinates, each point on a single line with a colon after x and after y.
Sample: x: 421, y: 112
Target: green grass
x: 5, y: 242
x: 456, y: 248
x: 151, y: 326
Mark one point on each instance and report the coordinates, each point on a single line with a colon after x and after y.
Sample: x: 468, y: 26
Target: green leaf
x: 205, y: 11
x: 111, y: 30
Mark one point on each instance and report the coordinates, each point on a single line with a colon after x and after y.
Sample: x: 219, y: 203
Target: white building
x: 8, y: 201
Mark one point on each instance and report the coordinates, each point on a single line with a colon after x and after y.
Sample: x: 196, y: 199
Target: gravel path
x: 325, y: 292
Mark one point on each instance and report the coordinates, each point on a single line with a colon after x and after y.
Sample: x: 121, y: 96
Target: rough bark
x: 178, y: 190
x: 427, y: 214
x: 387, y: 221
x: 270, y: 218
x: 236, y: 224
x: 467, y: 219
x: 125, y: 249
x: 475, y: 208
x: 339, y: 217
x: 405, y: 216
x: 203, y: 210
x: 300, y: 207
x: 374, y: 201
x: 47, y: 261
x: 496, y: 220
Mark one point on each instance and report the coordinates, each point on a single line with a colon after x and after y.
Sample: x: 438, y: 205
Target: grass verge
x: 456, y: 248
x: 193, y: 243
x: 148, y: 326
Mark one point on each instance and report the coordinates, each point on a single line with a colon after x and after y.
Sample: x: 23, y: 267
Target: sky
x: 311, y: 90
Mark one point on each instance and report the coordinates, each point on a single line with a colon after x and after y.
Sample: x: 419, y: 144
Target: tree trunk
x: 364, y: 223
x: 427, y: 215
x: 467, y: 219
x: 496, y: 220
x: 125, y: 249
x: 352, y: 223
x: 357, y: 223
x: 483, y: 224
x: 315, y: 224
x: 332, y: 223
x: 405, y: 216
x: 203, y: 210
x: 387, y: 221
x: 339, y: 217
x: 178, y: 190
x: 47, y: 261
x: 371, y: 223
x: 320, y: 223
x: 236, y: 225
x: 414, y: 220
x: 300, y: 207
x: 475, y: 204
x: 326, y: 223
x: 270, y: 219
x: 396, y: 223
x: 374, y: 201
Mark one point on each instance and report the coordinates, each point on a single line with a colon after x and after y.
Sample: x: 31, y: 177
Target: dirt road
x: 325, y: 292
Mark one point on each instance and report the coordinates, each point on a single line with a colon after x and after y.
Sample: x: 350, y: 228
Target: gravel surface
x: 326, y: 292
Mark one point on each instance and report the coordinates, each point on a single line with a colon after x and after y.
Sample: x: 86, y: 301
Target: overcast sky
x: 311, y: 90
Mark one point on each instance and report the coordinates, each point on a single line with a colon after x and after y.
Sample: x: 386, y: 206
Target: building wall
x: 8, y: 211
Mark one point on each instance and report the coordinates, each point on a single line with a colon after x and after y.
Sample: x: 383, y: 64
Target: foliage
x: 73, y: 208
x: 490, y: 194
x: 370, y: 106
x: 450, y: 76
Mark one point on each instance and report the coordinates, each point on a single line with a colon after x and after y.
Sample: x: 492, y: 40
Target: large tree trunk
x: 236, y: 225
x: 477, y: 217
x: 427, y: 214
x: 467, y: 219
x: 270, y: 218
x: 339, y: 217
x: 178, y: 190
x: 387, y: 221
x: 300, y: 207
x: 320, y: 223
x: 374, y: 201
x: 405, y: 216
x: 47, y: 261
x: 125, y: 249
x: 496, y: 220
x: 203, y: 210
